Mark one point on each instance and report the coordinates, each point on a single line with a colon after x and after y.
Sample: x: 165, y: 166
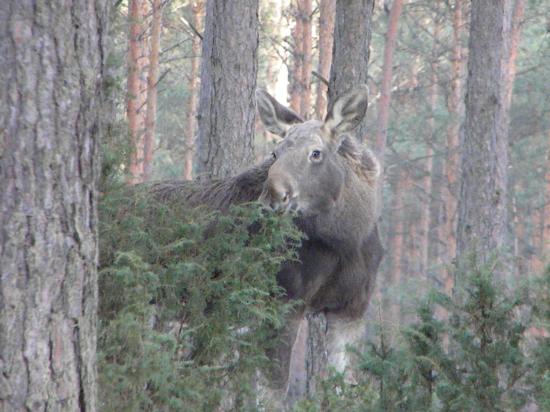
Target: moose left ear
x: 348, y: 111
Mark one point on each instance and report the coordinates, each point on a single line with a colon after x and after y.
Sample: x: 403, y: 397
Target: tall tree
x: 152, y: 80
x: 51, y: 68
x: 350, y: 53
x: 197, y: 9
x: 306, y: 10
x: 327, y: 9
x: 387, y: 70
x: 137, y: 85
x: 296, y: 71
x: 228, y: 83
x: 482, y: 203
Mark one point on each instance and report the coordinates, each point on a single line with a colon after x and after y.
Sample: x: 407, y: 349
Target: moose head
x: 309, y: 170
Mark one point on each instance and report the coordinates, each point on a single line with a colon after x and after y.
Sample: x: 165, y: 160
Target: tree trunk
x: 387, y: 70
x: 137, y: 86
x: 350, y: 53
x: 197, y: 9
x: 51, y: 68
x: 305, y: 100
x: 152, y: 79
x: 228, y: 83
x: 546, y: 211
x: 451, y: 166
x: 482, y: 215
x: 327, y: 9
x: 296, y: 71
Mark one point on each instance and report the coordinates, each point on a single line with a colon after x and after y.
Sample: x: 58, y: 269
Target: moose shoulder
x: 330, y: 180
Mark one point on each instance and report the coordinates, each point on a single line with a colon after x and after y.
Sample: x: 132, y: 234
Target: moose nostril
x: 285, y: 197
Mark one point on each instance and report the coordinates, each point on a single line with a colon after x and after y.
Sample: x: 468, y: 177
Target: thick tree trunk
x: 152, y: 79
x: 350, y: 53
x: 137, y: 86
x: 387, y: 70
x: 327, y: 10
x: 197, y: 9
x: 51, y: 66
x: 482, y: 216
x: 228, y: 84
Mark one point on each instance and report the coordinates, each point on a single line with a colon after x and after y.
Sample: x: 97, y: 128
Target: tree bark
x: 387, y: 70
x: 137, y: 86
x: 327, y: 10
x: 197, y: 9
x: 451, y: 166
x: 152, y: 79
x: 295, y: 81
x: 350, y: 53
x: 51, y: 68
x: 305, y: 14
x: 482, y: 214
x: 228, y: 83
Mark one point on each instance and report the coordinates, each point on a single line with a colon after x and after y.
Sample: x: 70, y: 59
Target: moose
x: 330, y: 181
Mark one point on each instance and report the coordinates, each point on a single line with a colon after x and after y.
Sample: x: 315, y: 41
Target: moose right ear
x: 275, y: 117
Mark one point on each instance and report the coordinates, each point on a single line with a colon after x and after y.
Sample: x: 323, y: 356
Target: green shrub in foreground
x: 188, y: 302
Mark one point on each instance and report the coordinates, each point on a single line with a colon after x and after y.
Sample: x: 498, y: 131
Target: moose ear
x: 348, y: 111
x: 275, y: 117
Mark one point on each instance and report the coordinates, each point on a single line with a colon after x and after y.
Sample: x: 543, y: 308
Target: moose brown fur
x: 330, y: 180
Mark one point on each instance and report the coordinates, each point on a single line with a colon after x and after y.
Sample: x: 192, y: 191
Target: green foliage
x: 189, y: 302
x: 475, y: 359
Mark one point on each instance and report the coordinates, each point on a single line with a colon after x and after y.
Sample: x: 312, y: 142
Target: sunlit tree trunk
x: 51, y: 102
x: 327, y: 9
x: 482, y: 213
x: 137, y: 85
x: 387, y: 70
x: 228, y: 84
x: 152, y: 79
x: 197, y: 10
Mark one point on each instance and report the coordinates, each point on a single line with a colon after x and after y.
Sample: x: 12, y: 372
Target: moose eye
x: 315, y: 155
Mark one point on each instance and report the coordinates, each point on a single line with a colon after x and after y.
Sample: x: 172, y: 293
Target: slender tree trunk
x: 305, y: 14
x: 455, y: 106
x: 387, y: 70
x: 397, y: 243
x: 546, y: 211
x: 350, y: 53
x: 515, y: 37
x: 198, y: 10
x: 137, y: 86
x: 51, y: 70
x: 296, y: 71
x: 327, y: 10
x: 228, y: 83
x: 482, y: 215
x: 152, y: 79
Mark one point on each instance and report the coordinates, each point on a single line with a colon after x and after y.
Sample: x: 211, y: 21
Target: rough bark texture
x: 482, y: 213
x: 387, y: 70
x: 197, y: 9
x: 350, y: 54
x: 228, y: 83
x: 51, y: 66
x: 137, y: 85
x: 327, y: 9
x: 152, y: 79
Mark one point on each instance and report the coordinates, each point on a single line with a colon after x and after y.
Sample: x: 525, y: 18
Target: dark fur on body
x: 338, y: 262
